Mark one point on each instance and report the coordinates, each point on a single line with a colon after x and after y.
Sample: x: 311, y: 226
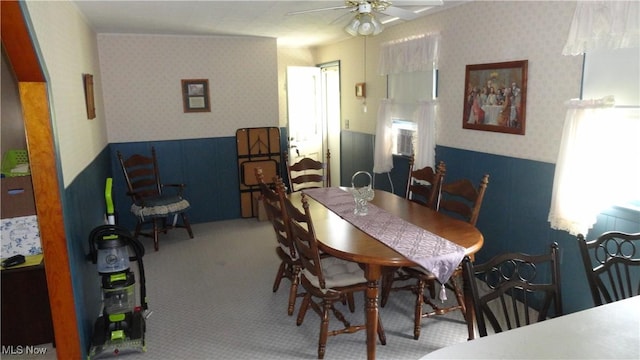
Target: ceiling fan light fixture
x: 353, y: 26
x: 364, y: 24
x: 377, y: 26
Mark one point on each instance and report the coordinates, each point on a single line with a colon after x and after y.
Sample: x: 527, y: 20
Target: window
x: 409, y: 65
x: 616, y: 72
x: 403, y: 133
x: 600, y: 131
x: 407, y: 90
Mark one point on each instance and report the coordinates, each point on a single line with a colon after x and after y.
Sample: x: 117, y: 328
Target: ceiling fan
x: 365, y: 21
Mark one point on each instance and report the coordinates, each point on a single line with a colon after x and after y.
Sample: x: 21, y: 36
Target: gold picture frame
x: 195, y: 95
x: 495, y: 97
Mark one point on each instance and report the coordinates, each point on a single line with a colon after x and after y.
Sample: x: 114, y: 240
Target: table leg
x: 372, y: 273
x: 470, y: 313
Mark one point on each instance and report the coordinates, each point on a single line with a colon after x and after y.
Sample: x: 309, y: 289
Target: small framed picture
x: 360, y: 90
x: 88, y: 96
x: 195, y: 95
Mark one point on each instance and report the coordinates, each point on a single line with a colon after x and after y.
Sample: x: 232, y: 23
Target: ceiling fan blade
x: 419, y: 3
x: 400, y: 13
x: 341, y: 17
x: 317, y: 10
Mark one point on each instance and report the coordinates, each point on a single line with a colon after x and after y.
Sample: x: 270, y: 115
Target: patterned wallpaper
x: 142, y: 85
x: 475, y: 33
x: 68, y: 47
x: 138, y: 78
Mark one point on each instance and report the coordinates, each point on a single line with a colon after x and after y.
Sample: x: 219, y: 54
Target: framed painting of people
x: 495, y: 97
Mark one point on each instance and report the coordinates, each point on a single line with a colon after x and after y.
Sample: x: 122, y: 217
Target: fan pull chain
x: 364, y: 68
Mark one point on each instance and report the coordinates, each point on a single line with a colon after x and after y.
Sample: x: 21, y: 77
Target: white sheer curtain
x: 418, y: 53
x: 598, y: 164
x: 382, y: 159
x: 426, y: 142
x: 603, y: 25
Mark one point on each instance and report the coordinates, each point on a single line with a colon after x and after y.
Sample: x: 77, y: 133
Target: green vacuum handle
x: 107, y: 197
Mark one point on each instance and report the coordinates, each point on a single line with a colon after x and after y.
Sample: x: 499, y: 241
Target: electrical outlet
x: 346, y: 124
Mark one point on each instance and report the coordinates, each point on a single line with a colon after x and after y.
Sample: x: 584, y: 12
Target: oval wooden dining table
x: 341, y: 239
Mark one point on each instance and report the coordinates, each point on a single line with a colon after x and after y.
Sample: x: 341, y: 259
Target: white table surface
x: 610, y: 331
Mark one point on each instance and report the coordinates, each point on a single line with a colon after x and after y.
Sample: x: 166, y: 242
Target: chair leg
x: 418, y: 310
x: 164, y: 226
x: 459, y: 293
x: 138, y: 229
x: 279, y: 276
x: 303, y: 308
x: 293, y: 292
x: 385, y: 287
x: 381, y: 335
x: 156, y: 246
x: 187, y: 225
x: 324, y: 329
x: 351, y: 302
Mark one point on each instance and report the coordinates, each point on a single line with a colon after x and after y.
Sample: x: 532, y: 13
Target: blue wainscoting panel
x: 396, y: 180
x: 356, y: 150
x: 84, y: 209
x: 513, y: 215
x: 515, y: 211
x: 208, y: 168
x: 211, y: 170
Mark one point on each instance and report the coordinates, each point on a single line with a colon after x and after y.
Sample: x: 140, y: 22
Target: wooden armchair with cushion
x: 328, y: 279
x: 151, y: 203
x: 273, y: 201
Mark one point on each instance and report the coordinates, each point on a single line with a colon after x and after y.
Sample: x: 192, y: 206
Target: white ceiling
x: 245, y: 18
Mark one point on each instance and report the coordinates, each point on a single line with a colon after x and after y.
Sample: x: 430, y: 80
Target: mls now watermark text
x: 23, y: 350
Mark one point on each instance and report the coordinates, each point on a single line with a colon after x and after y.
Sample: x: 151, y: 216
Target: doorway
x: 313, y: 105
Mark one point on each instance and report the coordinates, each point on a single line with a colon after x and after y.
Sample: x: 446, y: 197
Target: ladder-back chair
x: 273, y: 202
x: 308, y: 173
x: 423, y: 185
x: 328, y: 279
x: 151, y: 204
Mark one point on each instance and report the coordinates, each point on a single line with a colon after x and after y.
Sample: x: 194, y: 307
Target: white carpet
x: 211, y: 298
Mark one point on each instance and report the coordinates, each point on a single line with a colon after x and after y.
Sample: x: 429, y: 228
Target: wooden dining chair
x: 423, y: 185
x: 514, y: 289
x: 308, y: 173
x: 151, y: 203
x: 273, y: 202
x: 462, y: 198
x: 327, y: 279
x: 612, y: 265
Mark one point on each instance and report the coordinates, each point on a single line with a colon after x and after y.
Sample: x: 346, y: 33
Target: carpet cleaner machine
x: 120, y: 327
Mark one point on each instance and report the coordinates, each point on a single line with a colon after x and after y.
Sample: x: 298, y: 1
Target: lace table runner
x: 434, y: 253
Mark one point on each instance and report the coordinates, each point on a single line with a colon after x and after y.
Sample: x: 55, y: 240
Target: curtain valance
x: 603, y: 25
x: 417, y: 53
